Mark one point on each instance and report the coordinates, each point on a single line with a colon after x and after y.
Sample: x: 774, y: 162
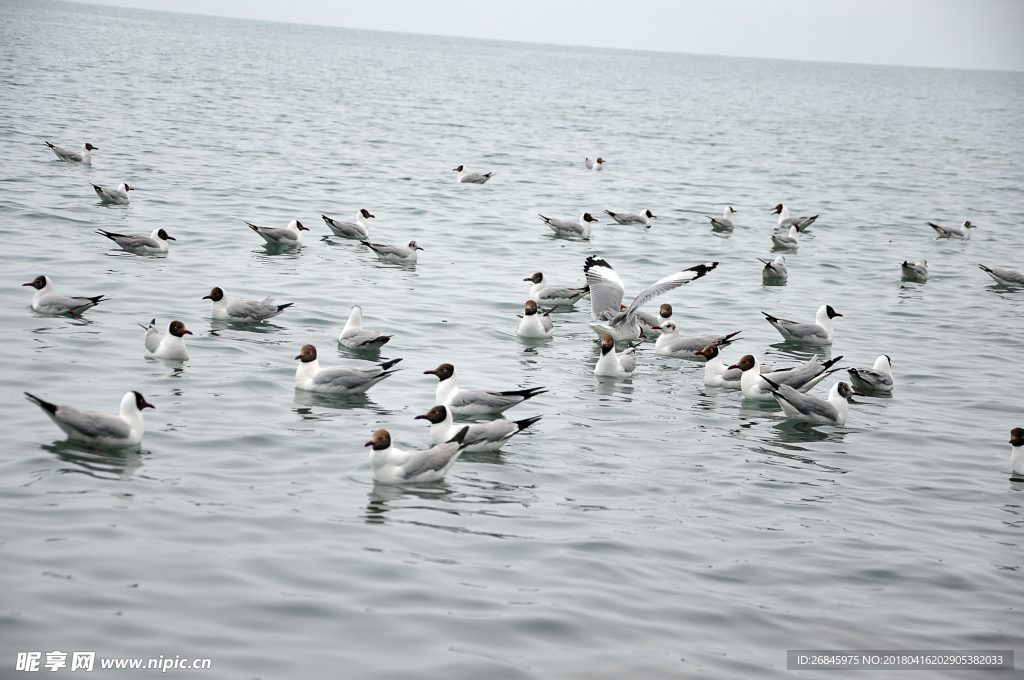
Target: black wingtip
x: 595, y: 261
x: 98, y: 299
x: 45, y: 405
x: 770, y: 318
x: 984, y: 268
x: 831, y: 362
x: 284, y: 306
x: 526, y: 422
x: 388, y: 364
x: 702, y: 269
x: 459, y: 436
x: 525, y: 394
x: 772, y: 385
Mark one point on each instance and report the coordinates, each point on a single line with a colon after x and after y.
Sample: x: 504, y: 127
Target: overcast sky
x: 980, y: 34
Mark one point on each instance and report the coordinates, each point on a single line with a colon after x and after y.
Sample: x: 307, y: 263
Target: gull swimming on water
x: 359, y: 230
x: 338, y: 380
x: 559, y: 296
x: 963, y: 232
x: 480, y: 437
x: 775, y: 270
x: 801, y: 378
x: 915, y: 271
x: 650, y: 325
x: 669, y: 344
x: 612, y: 364
x: 154, y: 244
x: 354, y: 336
x: 1004, y: 277
x: 470, y: 177
x: 606, y: 291
x: 475, y: 402
x: 595, y: 165
x: 386, y: 253
x: 169, y: 344
x: 535, y: 324
x: 789, y: 241
x: 45, y: 301
x: 1017, y: 451
x: 820, y: 332
x: 289, y: 236
x: 118, y: 196
x: 83, y: 156
x: 643, y: 218
x: 394, y: 466
x: 875, y: 379
x: 723, y: 223
x: 566, y: 228
x: 801, y: 223
x: 807, y: 408
x: 93, y: 427
x: 717, y: 374
x: 243, y: 311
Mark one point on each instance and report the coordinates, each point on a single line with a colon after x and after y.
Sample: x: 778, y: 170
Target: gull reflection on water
x: 100, y: 462
x: 334, y: 401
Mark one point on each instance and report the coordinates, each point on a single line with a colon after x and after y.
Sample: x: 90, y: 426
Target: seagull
x: 83, y: 156
x: 475, y: 402
x: 808, y: 408
x: 789, y: 242
x: 534, y: 324
x: 629, y: 218
x: 915, y: 271
x: 93, y: 427
x: 154, y: 244
x: 567, y: 228
x: 820, y: 332
x: 606, y: 292
x: 961, y: 232
x: 610, y: 364
x: 785, y: 220
x: 290, y: 236
x: 394, y: 466
x: 118, y: 196
x: 1017, y: 451
x: 45, y: 301
x: 243, y: 311
x: 595, y: 165
x: 169, y: 344
x: 650, y: 325
x: 541, y: 293
x: 481, y: 437
x: 1004, y: 277
x: 404, y: 254
x: 337, y: 379
x: 669, y: 343
x: 470, y: 177
x: 359, y: 230
x: 716, y: 374
x: 775, y: 270
x: 723, y: 223
x: 354, y: 336
x: 875, y: 379
x: 801, y: 378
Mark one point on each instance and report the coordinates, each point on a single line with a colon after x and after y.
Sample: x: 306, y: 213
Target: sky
x: 973, y: 34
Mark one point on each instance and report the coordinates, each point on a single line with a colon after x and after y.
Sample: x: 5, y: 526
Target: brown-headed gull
x: 774, y: 271
x: 169, y: 344
x: 243, y: 311
x: 594, y: 165
x: 154, y: 244
x: 643, y: 218
x: 358, y: 230
x: 807, y: 408
x: 555, y: 296
x: 481, y: 437
x: 914, y: 271
x: 671, y: 344
x: 723, y: 223
x: 579, y: 229
x: 785, y: 220
x: 821, y: 332
x: 93, y: 427
x: 392, y: 465
x: 475, y: 402
x: 387, y: 253
x: 118, y: 196
x: 875, y: 379
x: 535, y: 324
x: 961, y: 232
x: 650, y: 325
x: 337, y: 380
x: 83, y: 156
x: 801, y: 378
x: 289, y: 236
x: 1004, y: 277
x: 45, y: 301
x: 354, y: 336
x: 615, y: 364
x: 471, y: 177
x: 717, y: 374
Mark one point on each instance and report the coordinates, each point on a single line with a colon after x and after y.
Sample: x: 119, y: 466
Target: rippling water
x: 643, y: 528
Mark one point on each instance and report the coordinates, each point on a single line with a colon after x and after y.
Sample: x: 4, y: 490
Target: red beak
x: 188, y: 331
x: 205, y: 297
x: 734, y: 366
x: 368, y: 444
x: 299, y: 357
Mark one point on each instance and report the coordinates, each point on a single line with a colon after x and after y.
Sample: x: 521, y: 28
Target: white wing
x: 606, y: 288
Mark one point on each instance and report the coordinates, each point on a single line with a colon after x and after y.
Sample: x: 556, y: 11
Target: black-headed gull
x: 481, y: 437
x: 615, y: 364
x: 717, y: 374
x: 338, y: 380
x: 387, y: 253
x: 579, y: 229
x: 875, y: 379
x: 475, y: 402
x: 154, y: 244
x: 671, y: 344
x: 723, y: 223
x: 606, y: 292
x: 774, y: 271
x: 1004, y: 277
x: 83, y: 156
x: 93, y: 427
x: 354, y: 336
x: 289, y: 236
x: 807, y: 408
x: 391, y: 465
x: 914, y: 271
x: 45, y: 301
x: 169, y: 344
x: 790, y: 241
x: 243, y: 311
x: 821, y: 332
x: 643, y: 218
x: 118, y: 196
x: 650, y: 324
x: 785, y: 220
x: 595, y: 165
x: 535, y: 324
x: 555, y: 296
x: 801, y: 378
x: 359, y: 230
x: 961, y: 232
x: 471, y: 177
x: 1017, y: 451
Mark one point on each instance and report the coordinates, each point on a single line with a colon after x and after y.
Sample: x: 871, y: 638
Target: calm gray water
x: 644, y: 528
